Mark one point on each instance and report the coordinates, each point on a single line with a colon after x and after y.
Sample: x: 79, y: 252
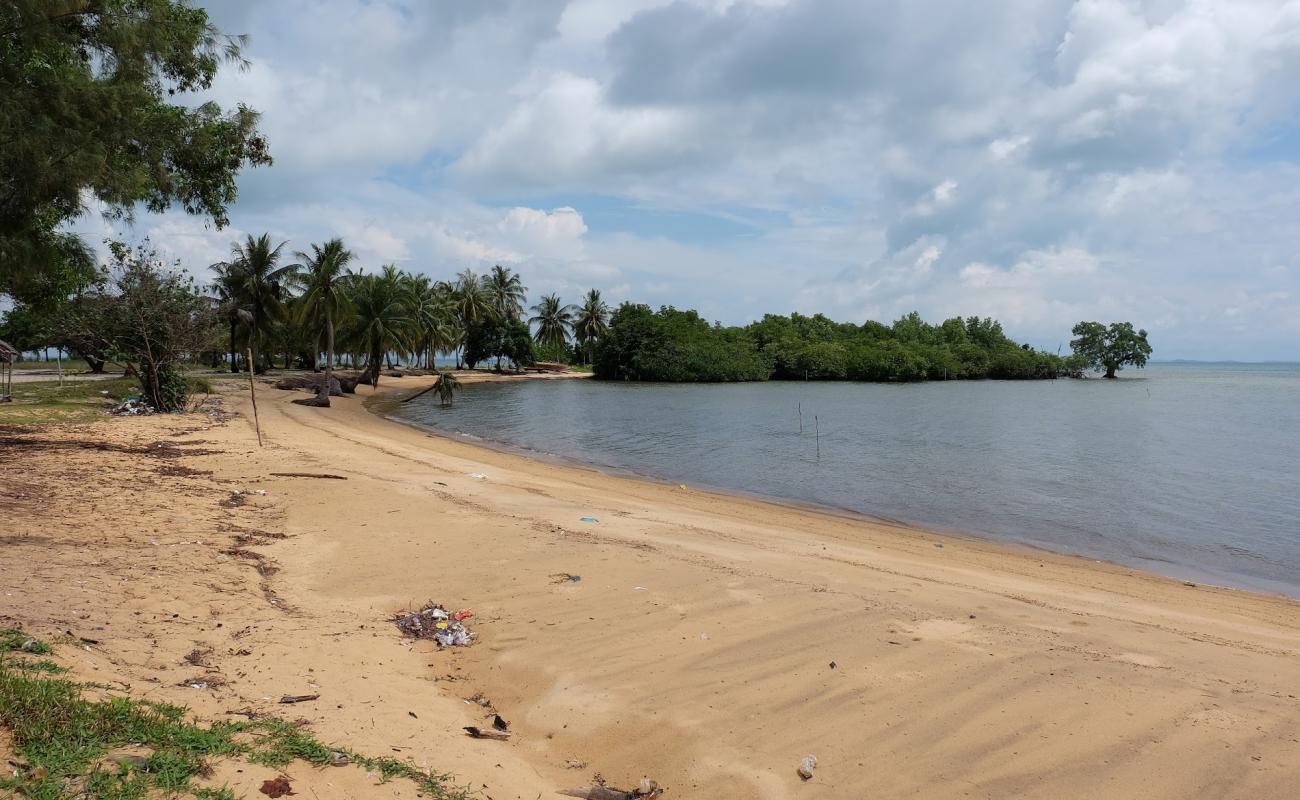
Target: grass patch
x: 70, y: 365
x: 78, y: 401
x: 66, y: 742
x: 45, y: 666
x: 74, y: 401
x: 13, y: 640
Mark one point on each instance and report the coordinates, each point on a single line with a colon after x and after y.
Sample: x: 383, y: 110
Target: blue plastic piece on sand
x: 589, y: 519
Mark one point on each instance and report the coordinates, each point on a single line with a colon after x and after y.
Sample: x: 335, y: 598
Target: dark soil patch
x: 178, y: 471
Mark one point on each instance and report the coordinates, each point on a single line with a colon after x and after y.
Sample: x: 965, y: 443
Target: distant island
x: 680, y: 346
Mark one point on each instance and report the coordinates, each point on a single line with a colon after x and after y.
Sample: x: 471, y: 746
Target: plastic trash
x: 589, y: 519
x: 436, y: 623
x: 477, y: 475
x: 132, y: 407
x: 806, y: 766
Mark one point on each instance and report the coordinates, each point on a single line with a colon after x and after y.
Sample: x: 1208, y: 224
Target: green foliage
x: 557, y: 352
x: 500, y: 339
x: 505, y: 292
x: 85, y: 112
x: 13, y: 640
x: 166, y: 384
x: 1110, y: 349
x: 554, y: 321
x: 256, y: 288
x: 590, y: 323
x: 381, y: 321
x: 674, y: 345
x: 447, y: 386
x: 151, y: 317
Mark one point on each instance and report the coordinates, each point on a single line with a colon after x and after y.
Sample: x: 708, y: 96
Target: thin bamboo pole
x: 252, y: 392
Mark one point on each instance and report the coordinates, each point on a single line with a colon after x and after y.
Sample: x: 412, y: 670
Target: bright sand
x: 711, y: 642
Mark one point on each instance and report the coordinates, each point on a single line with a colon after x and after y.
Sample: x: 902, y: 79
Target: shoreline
x: 383, y: 406
x: 709, y: 641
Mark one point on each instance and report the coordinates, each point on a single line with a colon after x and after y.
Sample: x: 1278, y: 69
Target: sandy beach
x: 704, y: 640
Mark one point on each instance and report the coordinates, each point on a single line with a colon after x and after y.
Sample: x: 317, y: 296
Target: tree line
x: 319, y: 303
x: 312, y: 309
x: 675, y: 345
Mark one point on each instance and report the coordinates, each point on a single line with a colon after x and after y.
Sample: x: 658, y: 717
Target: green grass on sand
x: 66, y: 744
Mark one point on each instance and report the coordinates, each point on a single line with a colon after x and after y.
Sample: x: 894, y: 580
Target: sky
x: 1038, y: 161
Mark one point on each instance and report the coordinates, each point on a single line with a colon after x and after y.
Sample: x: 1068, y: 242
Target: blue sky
x: 1039, y: 161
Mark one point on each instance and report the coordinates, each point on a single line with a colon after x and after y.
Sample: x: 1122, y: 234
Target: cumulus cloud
x: 1039, y: 160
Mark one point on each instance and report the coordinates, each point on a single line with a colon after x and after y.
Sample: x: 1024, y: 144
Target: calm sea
x: 1187, y: 469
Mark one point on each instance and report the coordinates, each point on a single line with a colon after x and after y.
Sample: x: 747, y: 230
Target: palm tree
x: 447, y: 386
x: 433, y: 313
x: 554, y: 321
x: 381, y: 321
x: 325, y: 298
x: 472, y: 303
x: 230, y: 305
x: 262, y: 285
x: 505, y: 292
x: 590, y: 322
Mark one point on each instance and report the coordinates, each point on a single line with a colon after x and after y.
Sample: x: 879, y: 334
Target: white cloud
x: 1035, y: 159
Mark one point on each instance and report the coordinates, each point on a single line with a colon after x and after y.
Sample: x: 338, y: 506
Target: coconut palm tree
x: 447, y: 386
x: 472, y: 303
x: 263, y: 285
x: 553, y: 319
x: 230, y: 305
x: 381, y: 321
x: 505, y: 292
x: 591, y: 321
x: 325, y: 298
x: 433, y: 317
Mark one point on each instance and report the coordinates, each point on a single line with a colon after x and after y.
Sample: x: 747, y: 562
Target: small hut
x: 7, y: 357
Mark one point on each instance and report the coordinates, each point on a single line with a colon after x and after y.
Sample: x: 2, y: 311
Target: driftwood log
x: 339, y: 386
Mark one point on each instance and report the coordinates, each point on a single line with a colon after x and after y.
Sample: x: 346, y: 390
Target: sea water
x: 1187, y: 469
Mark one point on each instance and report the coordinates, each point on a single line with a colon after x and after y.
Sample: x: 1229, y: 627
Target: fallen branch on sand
x: 309, y: 475
x: 486, y: 733
x: 299, y: 698
x: 646, y: 790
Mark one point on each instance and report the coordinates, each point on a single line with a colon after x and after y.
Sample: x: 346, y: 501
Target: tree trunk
x: 375, y: 363
x: 329, y: 359
x: 234, y: 355
x: 1110, y: 370
x: 96, y: 364
x: 255, y: 366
